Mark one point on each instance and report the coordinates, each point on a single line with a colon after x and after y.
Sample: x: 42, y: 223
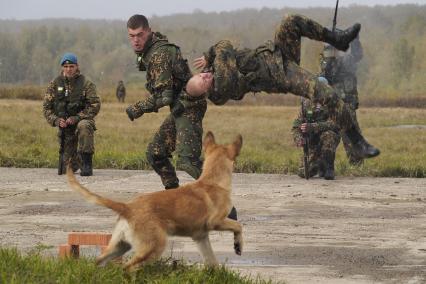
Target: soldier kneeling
x: 323, y: 137
x: 71, y: 104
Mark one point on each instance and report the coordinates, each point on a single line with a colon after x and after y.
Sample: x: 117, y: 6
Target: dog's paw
x: 237, y: 248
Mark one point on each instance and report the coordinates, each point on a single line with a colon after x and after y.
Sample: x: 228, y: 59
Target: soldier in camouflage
x: 167, y: 73
x: 340, y: 71
x: 120, y: 91
x: 323, y: 139
x: 71, y: 104
x: 274, y: 68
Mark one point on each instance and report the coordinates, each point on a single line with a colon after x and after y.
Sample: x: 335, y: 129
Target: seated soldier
x: 323, y: 139
x: 274, y: 68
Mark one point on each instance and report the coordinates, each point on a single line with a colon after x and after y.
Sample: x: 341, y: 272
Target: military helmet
x: 329, y: 51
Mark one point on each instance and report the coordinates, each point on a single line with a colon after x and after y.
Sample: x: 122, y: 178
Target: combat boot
x: 171, y: 185
x: 342, y: 39
x: 86, y: 169
x: 366, y: 150
x: 329, y: 165
x: 233, y: 214
x: 329, y: 172
x: 321, y: 169
x: 361, y: 147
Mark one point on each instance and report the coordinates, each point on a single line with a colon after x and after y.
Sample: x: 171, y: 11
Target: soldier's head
x: 69, y: 64
x: 199, y: 84
x: 138, y: 31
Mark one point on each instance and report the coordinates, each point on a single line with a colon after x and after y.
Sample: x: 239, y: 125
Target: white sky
x: 109, y: 9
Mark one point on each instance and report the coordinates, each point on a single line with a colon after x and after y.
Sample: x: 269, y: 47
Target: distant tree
x: 402, y: 60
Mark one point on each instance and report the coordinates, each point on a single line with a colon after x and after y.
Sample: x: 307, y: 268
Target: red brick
x: 85, y: 238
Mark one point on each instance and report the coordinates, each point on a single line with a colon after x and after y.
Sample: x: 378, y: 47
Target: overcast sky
x: 104, y: 9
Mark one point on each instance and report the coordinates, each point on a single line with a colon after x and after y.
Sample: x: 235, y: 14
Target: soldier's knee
x: 85, y: 126
x: 192, y: 166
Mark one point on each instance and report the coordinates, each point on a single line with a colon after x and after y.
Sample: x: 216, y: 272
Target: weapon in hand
x: 61, y: 164
x: 307, y: 118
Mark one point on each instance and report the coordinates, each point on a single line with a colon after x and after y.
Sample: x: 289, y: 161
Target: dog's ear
x: 235, y: 148
x: 208, y: 140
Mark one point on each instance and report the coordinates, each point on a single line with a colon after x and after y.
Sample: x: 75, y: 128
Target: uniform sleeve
x: 329, y: 124
x: 295, y: 130
x: 92, y: 103
x: 48, y: 104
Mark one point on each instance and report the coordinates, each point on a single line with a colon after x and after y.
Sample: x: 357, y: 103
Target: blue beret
x: 69, y: 58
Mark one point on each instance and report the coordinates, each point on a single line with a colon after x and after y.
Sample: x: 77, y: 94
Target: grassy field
x: 26, y: 140
x: 34, y: 268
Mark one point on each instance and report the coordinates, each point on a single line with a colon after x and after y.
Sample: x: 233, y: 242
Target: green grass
x: 16, y: 268
x: 26, y: 140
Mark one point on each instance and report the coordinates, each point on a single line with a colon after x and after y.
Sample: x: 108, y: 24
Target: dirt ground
x: 351, y: 230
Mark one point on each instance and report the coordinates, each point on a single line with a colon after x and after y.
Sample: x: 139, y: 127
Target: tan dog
x: 191, y: 210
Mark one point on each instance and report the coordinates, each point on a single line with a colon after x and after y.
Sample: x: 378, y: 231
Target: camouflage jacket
x: 319, y: 120
x: 237, y: 72
x: 121, y: 89
x: 341, y: 72
x: 166, y: 74
x: 75, y: 97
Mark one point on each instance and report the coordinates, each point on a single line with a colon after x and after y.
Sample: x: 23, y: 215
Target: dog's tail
x: 118, y: 207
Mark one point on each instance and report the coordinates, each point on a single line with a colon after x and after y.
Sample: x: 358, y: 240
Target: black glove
x: 130, y: 113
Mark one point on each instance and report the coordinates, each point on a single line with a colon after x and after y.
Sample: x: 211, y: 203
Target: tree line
x: 393, y: 38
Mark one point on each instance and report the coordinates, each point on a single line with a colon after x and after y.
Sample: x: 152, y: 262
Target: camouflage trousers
x: 182, y: 135
x: 299, y: 81
x: 78, y: 139
x: 353, y: 156
x: 322, y: 150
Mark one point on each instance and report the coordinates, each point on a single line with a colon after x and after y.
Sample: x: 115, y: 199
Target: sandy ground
x: 351, y: 230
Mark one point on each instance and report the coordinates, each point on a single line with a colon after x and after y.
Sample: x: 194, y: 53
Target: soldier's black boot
x: 86, y: 169
x: 329, y: 171
x: 233, y: 214
x: 321, y: 169
x: 360, y: 145
x: 342, y: 39
x: 329, y: 165
x: 171, y: 185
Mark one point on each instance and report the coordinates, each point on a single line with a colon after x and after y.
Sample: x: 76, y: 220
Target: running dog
x: 191, y: 210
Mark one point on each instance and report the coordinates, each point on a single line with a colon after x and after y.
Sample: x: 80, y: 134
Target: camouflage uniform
x: 323, y: 138
x: 73, y: 97
x: 167, y: 74
x: 120, y: 91
x: 340, y: 71
x: 274, y: 68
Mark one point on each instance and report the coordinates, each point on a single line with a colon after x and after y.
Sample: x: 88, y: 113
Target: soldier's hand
x: 304, y: 127
x: 71, y: 120
x: 200, y: 62
x: 61, y: 123
x: 130, y: 113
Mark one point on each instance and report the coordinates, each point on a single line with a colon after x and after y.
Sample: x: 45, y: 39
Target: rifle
x: 61, y: 164
x: 335, y: 16
x: 307, y: 118
x: 61, y: 151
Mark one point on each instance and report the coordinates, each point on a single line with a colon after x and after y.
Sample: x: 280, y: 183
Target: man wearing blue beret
x: 71, y: 104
